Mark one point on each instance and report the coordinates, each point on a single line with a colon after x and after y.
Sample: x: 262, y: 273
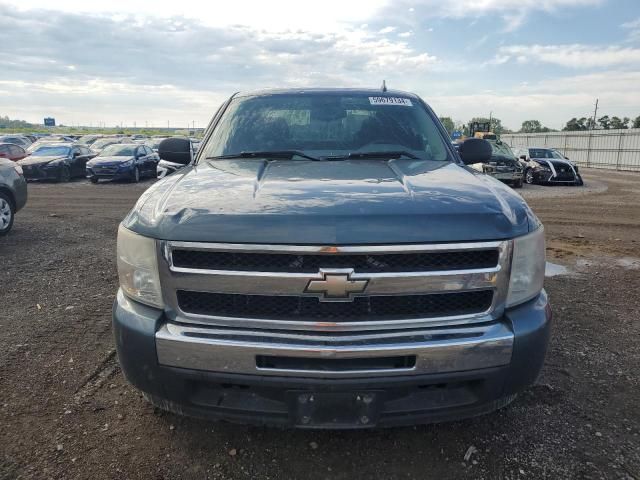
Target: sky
x: 148, y: 63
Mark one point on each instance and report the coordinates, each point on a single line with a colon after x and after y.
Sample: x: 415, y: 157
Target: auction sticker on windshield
x: 390, y: 101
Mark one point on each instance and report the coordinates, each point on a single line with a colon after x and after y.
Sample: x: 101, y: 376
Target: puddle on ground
x: 629, y: 262
x: 553, y: 269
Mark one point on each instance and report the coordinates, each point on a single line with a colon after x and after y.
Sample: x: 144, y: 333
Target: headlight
x: 138, y: 268
x: 527, y: 267
x: 128, y: 163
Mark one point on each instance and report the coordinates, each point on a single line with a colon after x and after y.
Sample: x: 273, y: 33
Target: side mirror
x: 475, y: 150
x: 523, y: 157
x: 176, y: 150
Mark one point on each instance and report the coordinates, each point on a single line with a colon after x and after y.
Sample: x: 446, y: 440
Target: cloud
x: 552, y: 101
x: 634, y: 29
x: 513, y: 12
x: 570, y: 56
x: 58, y: 48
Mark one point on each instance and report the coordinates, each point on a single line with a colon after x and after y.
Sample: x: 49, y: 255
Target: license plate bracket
x: 335, y: 409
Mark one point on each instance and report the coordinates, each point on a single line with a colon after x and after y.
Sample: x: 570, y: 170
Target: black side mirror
x: 475, y: 150
x: 176, y: 150
x: 523, y: 157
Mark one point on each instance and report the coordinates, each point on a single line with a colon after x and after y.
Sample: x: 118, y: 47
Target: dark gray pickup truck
x: 329, y: 261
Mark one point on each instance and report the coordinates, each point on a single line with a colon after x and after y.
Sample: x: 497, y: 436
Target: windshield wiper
x: 387, y: 154
x: 265, y: 154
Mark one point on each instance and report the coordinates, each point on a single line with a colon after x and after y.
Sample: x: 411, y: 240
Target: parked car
x: 328, y: 261
x: 13, y: 193
x: 12, y: 151
x: 88, y: 139
x: 503, y: 165
x: 548, y: 166
x: 19, y: 140
x: 56, y: 161
x: 123, y: 161
x: 153, y: 143
x: 101, y: 143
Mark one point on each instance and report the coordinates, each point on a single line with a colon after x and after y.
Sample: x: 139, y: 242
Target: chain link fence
x: 612, y: 149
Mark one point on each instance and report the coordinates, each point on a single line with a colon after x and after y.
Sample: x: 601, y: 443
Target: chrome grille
x: 311, y: 309
x: 365, y: 263
x: 266, y: 287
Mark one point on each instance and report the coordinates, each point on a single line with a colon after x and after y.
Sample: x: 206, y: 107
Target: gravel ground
x: 67, y: 412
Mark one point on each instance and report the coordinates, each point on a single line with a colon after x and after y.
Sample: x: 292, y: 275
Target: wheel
x: 93, y: 179
x: 135, y: 177
x: 65, y: 175
x: 528, y: 176
x: 518, y: 183
x: 6, y: 214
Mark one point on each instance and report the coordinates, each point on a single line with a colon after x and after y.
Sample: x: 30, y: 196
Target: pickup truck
x: 328, y: 260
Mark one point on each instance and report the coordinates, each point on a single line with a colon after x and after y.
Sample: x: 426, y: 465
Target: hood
x: 106, y: 161
x: 35, y: 161
x: 330, y: 202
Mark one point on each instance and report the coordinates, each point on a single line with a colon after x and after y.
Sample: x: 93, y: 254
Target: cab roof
x: 373, y: 92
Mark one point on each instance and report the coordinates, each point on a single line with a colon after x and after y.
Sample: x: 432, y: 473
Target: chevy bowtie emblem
x: 336, y: 286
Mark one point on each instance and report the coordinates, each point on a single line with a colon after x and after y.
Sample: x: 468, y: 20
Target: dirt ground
x: 66, y: 412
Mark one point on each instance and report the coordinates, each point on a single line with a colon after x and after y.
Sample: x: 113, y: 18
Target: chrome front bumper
x: 236, y: 351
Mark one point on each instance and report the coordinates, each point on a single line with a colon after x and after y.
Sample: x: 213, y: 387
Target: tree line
x: 605, y: 123
x: 535, y: 126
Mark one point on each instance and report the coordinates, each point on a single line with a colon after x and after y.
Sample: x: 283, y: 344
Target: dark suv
x: 13, y: 193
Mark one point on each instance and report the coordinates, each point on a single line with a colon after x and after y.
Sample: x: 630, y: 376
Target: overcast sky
x: 152, y: 62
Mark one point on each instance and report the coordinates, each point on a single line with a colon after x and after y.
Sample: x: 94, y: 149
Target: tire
x: 65, y: 175
x: 6, y: 214
x: 93, y: 180
x: 518, y: 184
x: 135, y: 176
x: 528, y: 177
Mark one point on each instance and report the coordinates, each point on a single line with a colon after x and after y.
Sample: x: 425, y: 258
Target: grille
x: 309, y: 308
x: 365, y: 263
x: 105, y: 170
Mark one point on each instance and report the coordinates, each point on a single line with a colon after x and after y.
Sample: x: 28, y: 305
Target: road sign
x: 49, y: 122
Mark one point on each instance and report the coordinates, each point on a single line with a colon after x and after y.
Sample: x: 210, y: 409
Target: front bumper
x: 451, y: 379
x: 32, y: 173
x: 110, y: 173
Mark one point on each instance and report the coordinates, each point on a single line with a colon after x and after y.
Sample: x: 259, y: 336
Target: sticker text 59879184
x: 390, y: 101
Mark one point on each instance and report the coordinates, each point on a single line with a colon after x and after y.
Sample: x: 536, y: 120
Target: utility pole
x: 490, y: 120
x: 595, y: 115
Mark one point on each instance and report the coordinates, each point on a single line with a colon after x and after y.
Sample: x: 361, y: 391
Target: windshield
x: 51, y: 151
x: 118, y: 151
x: 326, y: 125
x: 103, y: 142
x: 501, y: 149
x: 544, y: 153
